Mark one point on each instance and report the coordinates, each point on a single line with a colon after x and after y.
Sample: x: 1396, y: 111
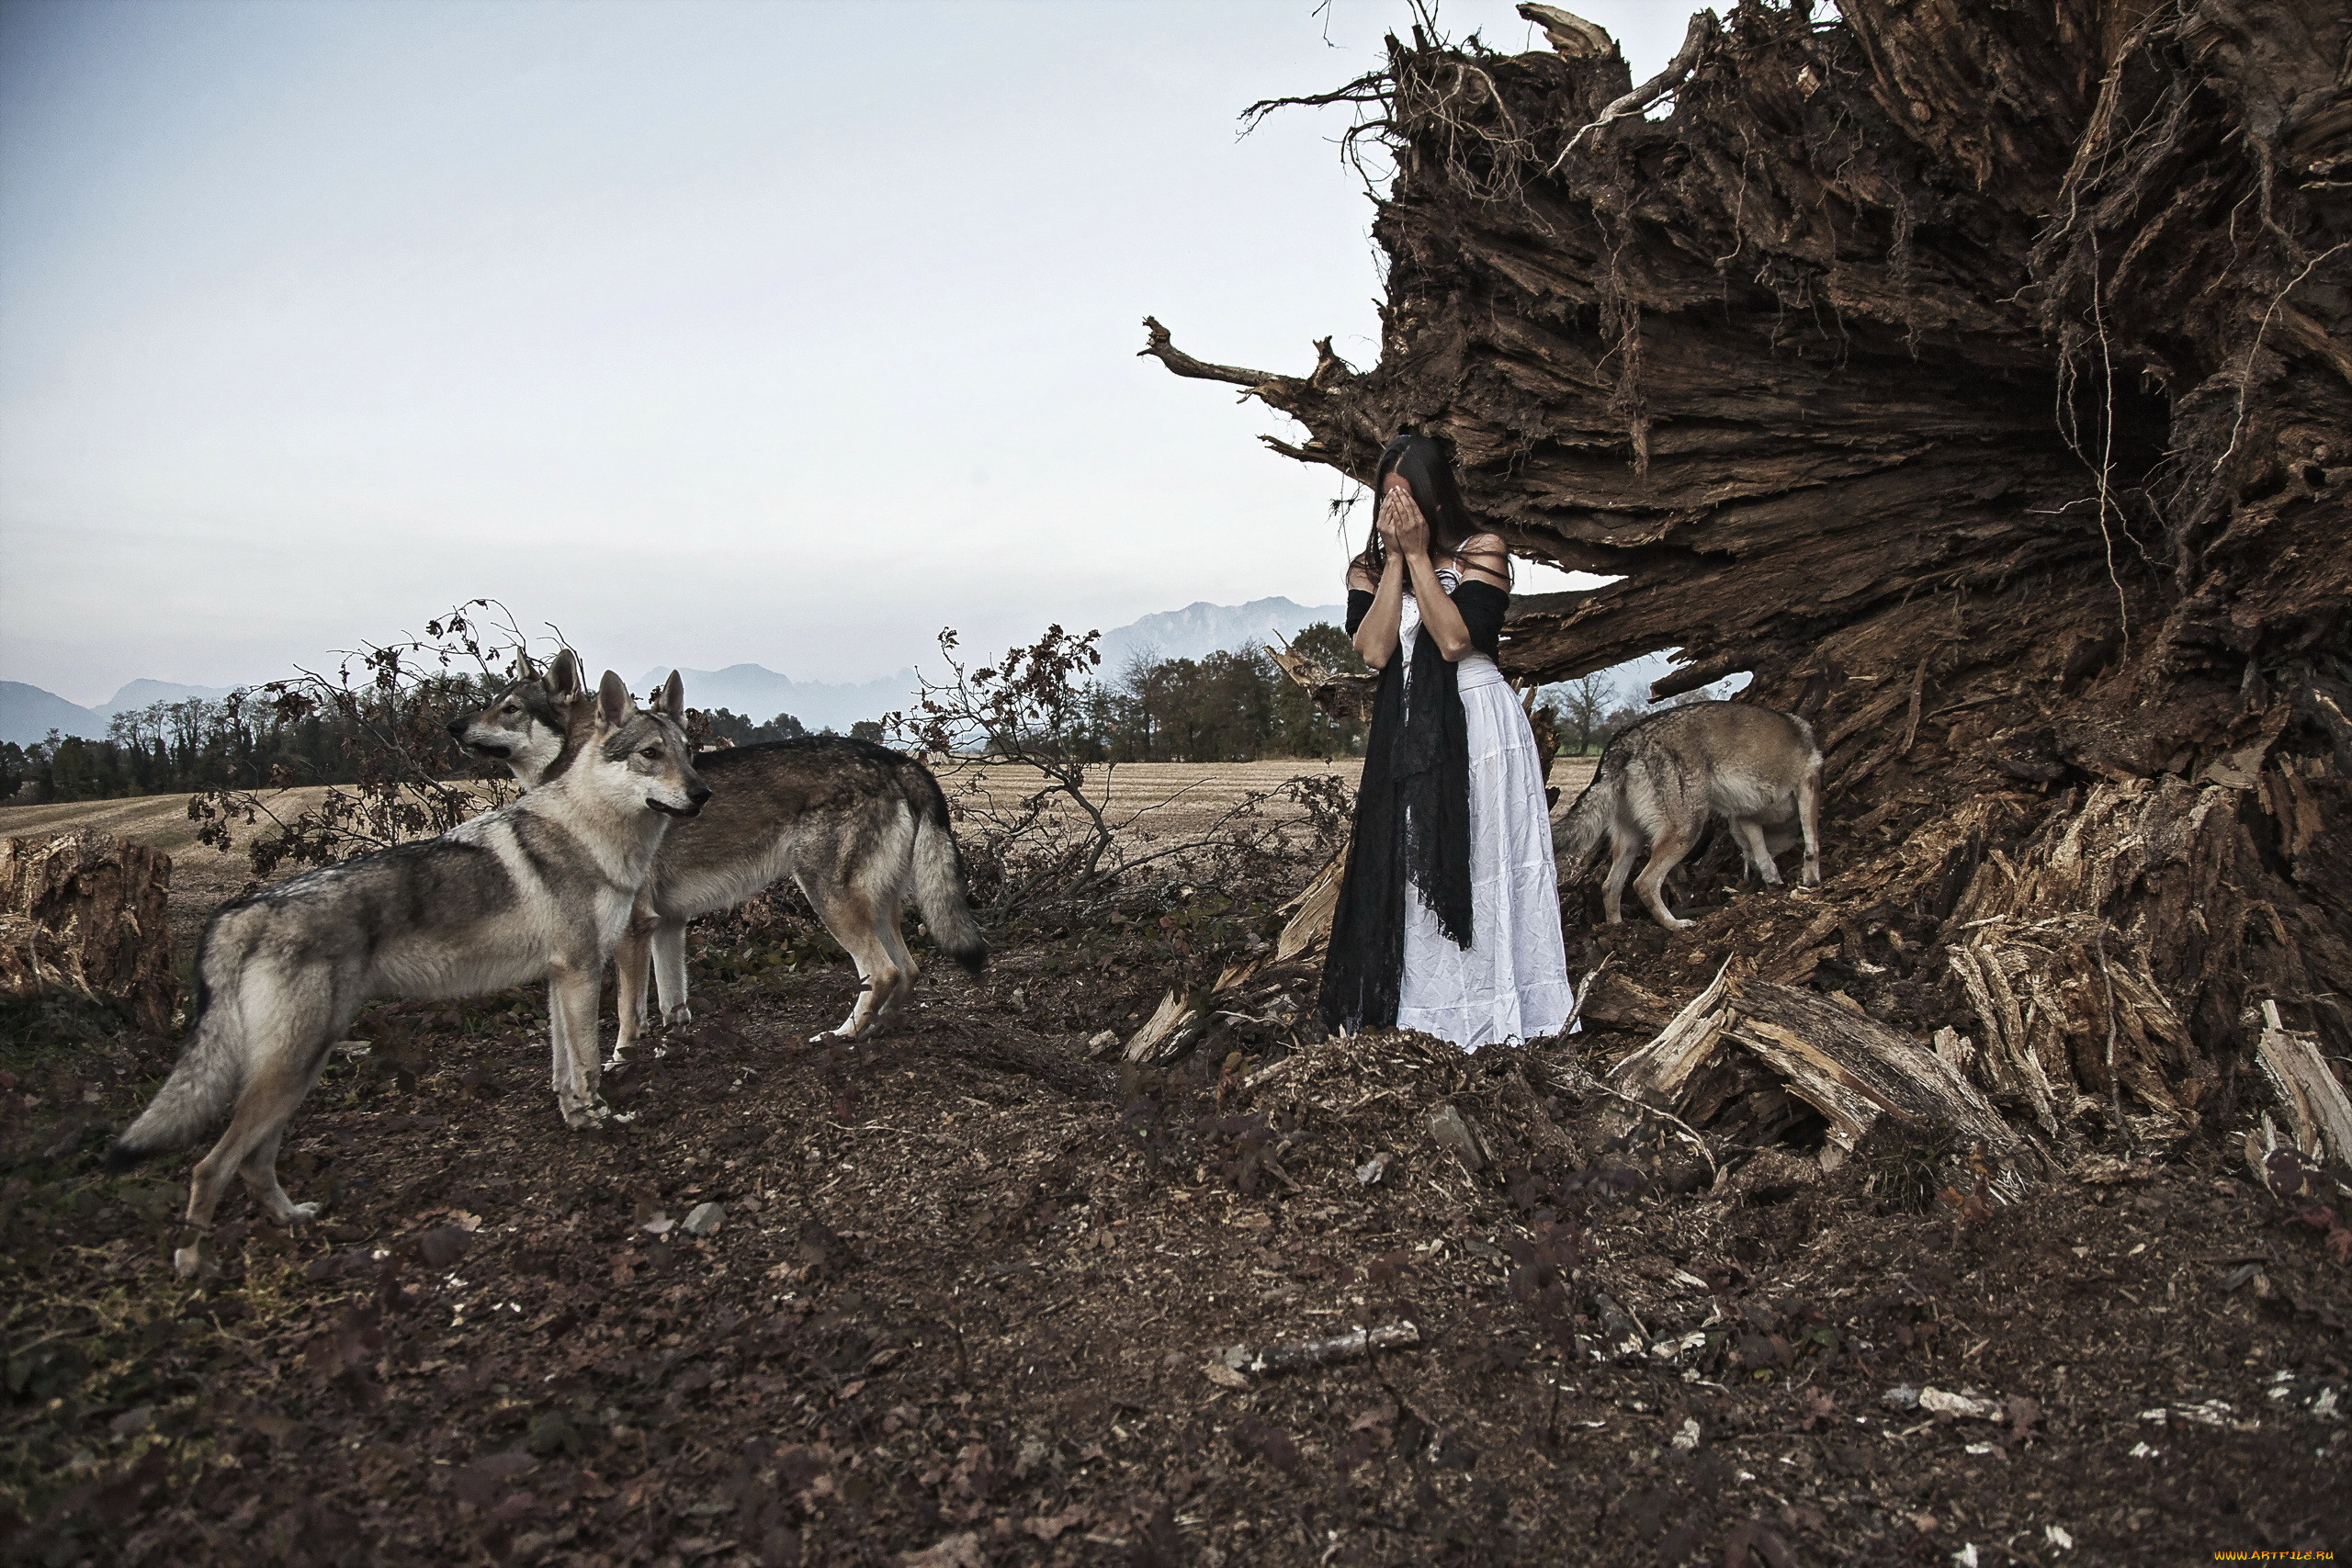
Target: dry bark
x: 84, y: 913
x: 1978, y: 379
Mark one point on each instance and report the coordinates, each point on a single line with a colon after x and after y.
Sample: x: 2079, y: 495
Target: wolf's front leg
x: 631, y: 958
x: 670, y: 973
x: 571, y: 1019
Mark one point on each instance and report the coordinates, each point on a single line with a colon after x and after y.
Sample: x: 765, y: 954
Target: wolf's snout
x: 696, y: 792
x: 456, y: 729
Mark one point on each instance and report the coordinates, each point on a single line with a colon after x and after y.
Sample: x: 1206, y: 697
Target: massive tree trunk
x: 1977, y: 378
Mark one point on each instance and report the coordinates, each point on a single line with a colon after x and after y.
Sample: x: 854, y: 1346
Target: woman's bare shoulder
x: 1484, y: 558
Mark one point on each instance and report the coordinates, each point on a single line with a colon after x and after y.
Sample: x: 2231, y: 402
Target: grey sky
x: 783, y: 332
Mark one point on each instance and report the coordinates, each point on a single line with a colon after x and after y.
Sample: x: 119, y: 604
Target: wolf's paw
x: 678, y: 1017
x: 296, y: 1214
x: 187, y: 1260
x: 587, y: 1117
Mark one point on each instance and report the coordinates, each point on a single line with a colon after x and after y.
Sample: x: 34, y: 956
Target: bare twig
x: 1677, y: 70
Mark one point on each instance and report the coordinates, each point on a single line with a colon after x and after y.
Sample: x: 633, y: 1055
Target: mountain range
x: 1202, y: 628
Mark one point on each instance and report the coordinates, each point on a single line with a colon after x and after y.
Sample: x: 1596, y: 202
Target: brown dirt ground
x: 970, y: 1296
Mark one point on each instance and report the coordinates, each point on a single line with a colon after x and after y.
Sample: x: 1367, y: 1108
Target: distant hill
x: 138, y: 694
x: 27, y: 714
x: 760, y: 693
x: 1203, y: 629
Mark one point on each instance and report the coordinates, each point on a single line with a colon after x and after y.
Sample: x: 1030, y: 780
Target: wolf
x: 1659, y: 779
x: 543, y: 886
x: 861, y: 829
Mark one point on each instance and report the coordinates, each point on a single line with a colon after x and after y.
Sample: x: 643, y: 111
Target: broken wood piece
x: 1854, y: 1070
x: 1299, y: 1355
x: 2319, y: 1114
x: 1843, y: 1064
x: 1658, y: 1070
x: 1570, y: 36
x: 1177, y: 1024
x: 85, y: 913
x: 1460, y: 1136
x: 1270, y: 1071
x: 1309, y: 924
x: 1185, y: 1018
x: 1338, y: 693
x: 2009, y: 1063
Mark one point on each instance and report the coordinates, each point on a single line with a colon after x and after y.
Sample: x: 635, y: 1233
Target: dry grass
x: 1157, y: 798
x: 1178, y: 797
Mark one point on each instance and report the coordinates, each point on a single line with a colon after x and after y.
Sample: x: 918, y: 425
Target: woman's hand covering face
x: 1402, y: 526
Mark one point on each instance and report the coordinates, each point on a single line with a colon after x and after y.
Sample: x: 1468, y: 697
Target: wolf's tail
x: 940, y: 889
x: 203, y: 1083
x: 1575, y: 836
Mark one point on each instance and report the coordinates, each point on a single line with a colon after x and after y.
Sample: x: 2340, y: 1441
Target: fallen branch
x: 1234, y: 1368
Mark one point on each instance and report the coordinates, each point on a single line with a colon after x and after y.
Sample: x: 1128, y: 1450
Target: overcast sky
x: 778, y: 333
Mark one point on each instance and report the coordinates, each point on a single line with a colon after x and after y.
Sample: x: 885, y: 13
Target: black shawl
x: 1412, y: 818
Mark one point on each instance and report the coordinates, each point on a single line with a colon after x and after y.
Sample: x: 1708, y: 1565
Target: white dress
x: 1512, y: 983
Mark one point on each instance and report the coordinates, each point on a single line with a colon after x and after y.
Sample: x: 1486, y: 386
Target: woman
x: 1448, y: 921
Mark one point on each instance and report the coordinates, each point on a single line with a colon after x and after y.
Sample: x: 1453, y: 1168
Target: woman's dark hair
x: 1430, y: 473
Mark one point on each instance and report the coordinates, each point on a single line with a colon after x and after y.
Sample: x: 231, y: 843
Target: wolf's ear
x: 523, y: 668
x: 564, y: 674
x: 614, y: 705
x: 673, y: 698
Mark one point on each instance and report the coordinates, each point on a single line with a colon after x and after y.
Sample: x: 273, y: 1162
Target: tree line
x: 175, y: 748
x: 1231, y: 706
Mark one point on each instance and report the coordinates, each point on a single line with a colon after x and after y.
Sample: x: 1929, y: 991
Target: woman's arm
x: 1481, y: 558
x: 1439, y: 619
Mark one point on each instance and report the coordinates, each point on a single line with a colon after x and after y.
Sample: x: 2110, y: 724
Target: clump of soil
x: 968, y: 1296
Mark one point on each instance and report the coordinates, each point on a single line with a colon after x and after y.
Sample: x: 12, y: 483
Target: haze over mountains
x: 1198, y: 629
x: 760, y: 693
x: 28, y: 713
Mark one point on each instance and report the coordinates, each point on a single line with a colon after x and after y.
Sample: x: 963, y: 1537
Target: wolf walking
x: 541, y: 886
x: 1658, y: 780
x: 861, y: 829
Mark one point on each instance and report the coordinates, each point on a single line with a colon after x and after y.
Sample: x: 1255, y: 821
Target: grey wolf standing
x: 543, y: 886
x: 861, y: 829
x: 1756, y: 767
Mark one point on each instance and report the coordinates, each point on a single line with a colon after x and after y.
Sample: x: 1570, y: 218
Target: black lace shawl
x: 1412, y: 818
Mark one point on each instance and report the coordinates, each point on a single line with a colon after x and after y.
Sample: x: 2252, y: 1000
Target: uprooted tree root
x: 1977, y: 379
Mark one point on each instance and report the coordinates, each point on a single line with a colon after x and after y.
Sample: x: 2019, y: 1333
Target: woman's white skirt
x: 1512, y: 983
